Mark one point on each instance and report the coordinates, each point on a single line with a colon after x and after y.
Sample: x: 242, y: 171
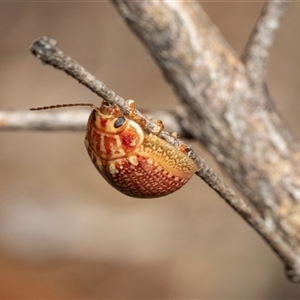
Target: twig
x: 75, y: 120
x: 45, y: 49
x: 258, y: 48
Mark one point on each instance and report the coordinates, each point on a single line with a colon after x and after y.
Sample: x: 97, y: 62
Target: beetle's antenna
x: 65, y: 105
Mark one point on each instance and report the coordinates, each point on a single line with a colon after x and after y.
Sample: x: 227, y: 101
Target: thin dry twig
x: 75, y: 120
x: 45, y: 49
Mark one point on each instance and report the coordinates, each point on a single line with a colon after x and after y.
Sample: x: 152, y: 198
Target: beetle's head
x: 108, y: 118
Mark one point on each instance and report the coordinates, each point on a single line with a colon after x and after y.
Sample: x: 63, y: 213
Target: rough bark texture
x: 228, y: 109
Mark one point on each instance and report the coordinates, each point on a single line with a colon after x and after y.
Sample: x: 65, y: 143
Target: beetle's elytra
x: 136, y: 163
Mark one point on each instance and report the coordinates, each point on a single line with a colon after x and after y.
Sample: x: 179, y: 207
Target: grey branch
x: 258, y: 49
x: 45, y: 49
x: 233, y: 118
x: 75, y: 120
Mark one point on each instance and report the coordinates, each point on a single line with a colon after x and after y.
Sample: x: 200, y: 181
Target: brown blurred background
x: 64, y: 232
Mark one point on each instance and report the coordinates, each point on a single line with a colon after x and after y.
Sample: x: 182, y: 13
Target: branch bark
x: 257, y: 52
x: 229, y: 108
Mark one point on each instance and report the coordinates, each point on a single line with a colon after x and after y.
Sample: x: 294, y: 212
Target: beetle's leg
x: 131, y: 105
x: 141, y: 121
x: 159, y: 123
x: 132, y: 116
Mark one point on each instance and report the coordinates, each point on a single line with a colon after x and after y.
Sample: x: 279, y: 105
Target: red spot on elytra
x: 127, y: 140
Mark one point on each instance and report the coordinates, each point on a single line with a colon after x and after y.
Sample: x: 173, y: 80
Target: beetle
x: 136, y: 163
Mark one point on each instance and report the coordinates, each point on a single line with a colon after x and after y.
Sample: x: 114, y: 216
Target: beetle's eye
x: 119, y: 122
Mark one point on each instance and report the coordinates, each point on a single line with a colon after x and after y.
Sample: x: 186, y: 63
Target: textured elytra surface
x: 137, y: 164
x: 168, y: 156
x: 147, y: 179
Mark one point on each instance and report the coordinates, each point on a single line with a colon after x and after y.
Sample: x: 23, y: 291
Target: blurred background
x: 64, y: 232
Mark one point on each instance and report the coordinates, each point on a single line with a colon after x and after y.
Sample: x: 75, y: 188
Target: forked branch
x: 230, y: 110
x: 45, y: 49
